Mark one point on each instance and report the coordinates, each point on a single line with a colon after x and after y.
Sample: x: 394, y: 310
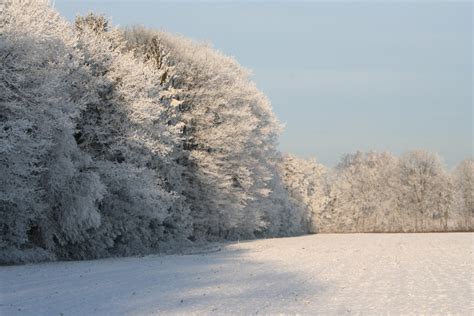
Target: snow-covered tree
x: 115, y: 147
x: 425, y: 190
x: 124, y: 142
x: 48, y: 194
x: 362, y: 192
x: 227, y: 127
x: 376, y: 192
x: 85, y: 144
x: 125, y: 129
x: 304, y: 181
x: 463, y: 205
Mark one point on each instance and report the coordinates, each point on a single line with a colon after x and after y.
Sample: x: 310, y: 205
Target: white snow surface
x: 324, y: 274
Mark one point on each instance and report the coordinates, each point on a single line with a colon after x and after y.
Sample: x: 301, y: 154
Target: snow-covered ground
x: 329, y: 274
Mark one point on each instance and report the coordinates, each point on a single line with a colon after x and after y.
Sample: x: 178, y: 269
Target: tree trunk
x: 446, y: 220
x: 375, y: 223
x: 416, y: 221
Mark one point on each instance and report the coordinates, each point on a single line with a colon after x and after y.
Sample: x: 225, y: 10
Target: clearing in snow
x: 333, y: 274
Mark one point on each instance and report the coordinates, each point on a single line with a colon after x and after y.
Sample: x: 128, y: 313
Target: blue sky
x: 343, y: 76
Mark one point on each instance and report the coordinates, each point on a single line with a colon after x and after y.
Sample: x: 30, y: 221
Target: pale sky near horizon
x: 343, y: 76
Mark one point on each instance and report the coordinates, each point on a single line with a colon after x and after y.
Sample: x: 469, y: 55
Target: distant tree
x: 425, y: 189
x: 363, y: 190
x: 303, y: 180
x: 376, y: 192
x: 92, y: 22
x: 463, y: 206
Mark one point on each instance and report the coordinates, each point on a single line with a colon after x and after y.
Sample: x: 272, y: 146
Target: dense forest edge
x: 119, y: 142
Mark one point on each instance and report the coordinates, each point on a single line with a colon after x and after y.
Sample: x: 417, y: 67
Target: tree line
x: 122, y: 142
x: 378, y: 192
x: 131, y: 141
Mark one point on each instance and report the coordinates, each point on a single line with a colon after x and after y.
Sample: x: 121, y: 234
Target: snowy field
x: 328, y: 274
